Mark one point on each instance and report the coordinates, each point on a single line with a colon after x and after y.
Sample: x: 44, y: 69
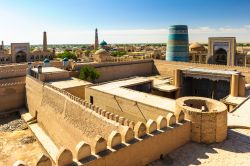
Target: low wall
x: 129, y: 109
x: 166, y: 68
x: 118, y: 70
x: 19, y: 69
x: 148, y: 149
x: 78, y: 91
x: 12, y: 95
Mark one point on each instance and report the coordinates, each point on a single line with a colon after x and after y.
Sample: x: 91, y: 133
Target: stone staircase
x: 48, y: 145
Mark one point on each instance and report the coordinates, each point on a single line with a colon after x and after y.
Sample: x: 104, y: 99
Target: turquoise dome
x: 65, y: 59
x: 46, y: 60
x: 103, y: 43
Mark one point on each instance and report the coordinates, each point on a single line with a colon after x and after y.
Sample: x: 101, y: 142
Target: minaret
x: 2, y: 46
x: 44, y: 41
x: 96, y: 40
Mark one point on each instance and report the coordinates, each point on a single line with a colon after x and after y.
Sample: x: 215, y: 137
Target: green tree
x: 67, y: 54
x: 88, y: 73
x: 118, y: 53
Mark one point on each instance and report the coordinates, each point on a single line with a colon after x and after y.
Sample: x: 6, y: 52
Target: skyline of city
x: 121, y: 22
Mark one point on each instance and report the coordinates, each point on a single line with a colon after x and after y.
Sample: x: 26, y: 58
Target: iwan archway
x: 21, y: 56
x: 220, y: 56
x: 222, y: 50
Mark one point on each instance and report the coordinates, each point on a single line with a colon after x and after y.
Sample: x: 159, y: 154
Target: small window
x: 91, y: 100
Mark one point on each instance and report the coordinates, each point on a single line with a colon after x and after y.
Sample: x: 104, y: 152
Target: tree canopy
x: 118, y: 53
x: 67, y: 54
x: 88, y: 73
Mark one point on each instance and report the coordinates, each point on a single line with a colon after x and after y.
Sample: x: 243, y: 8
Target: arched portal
x: 21, y: 57
x: 220, y: 56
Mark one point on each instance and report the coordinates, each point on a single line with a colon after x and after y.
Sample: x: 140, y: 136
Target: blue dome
x: 46, y: 60
x: 65, y: 59
x: 103, y: 43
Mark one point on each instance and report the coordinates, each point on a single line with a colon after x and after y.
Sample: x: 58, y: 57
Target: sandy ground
x: 234, y: 151
x: 17, y: 142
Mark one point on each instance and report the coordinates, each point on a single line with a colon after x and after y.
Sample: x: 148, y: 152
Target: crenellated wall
x: 63, y: 118
x: 94, y: 136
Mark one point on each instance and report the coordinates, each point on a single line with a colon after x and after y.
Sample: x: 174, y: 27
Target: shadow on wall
x: 190, y: 153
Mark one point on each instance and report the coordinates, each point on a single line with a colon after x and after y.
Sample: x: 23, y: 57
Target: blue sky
x: 121, y: 21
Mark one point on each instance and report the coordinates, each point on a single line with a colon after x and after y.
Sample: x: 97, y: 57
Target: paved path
x: 241, y: 116
x: 235, y: 151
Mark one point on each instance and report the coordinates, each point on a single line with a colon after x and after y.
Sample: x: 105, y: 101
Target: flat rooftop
x: 49, y: 70
x: 209, y: 71
x: 163, y: 84
x: 234, y: 100
x: 118, y: 88
x: 69, y: 83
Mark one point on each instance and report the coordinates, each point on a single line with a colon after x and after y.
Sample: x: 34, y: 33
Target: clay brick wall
x: 66, y: 121
x: 19, y: 70
x: 119, y: 70
x: 166, y: 68
x: 206, y: 127
x: 12, y: 94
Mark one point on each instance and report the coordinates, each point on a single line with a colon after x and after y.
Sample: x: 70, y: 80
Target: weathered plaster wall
x: 129, y: 109
x: 118, y: 70
x: 78, y: 91
x: 12, y: 93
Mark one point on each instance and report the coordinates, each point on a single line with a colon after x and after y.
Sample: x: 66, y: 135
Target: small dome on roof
x: 46, y: 60
x: 101, y: 51
x: 65, y: 59
x: 37, y: 50
x: 196, y: 45
x: 103, y: 43
x: 248, y: 53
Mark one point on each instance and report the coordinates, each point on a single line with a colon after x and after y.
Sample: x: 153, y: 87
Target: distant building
x: 20, y: 52
x: 96, y: 46
x: 197, y: 53
x: 222, y: 50
x: 101, y: 55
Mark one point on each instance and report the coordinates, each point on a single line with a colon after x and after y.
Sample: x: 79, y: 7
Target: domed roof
x: 46, y: 60
x: 65, y: 59
x: 101, y: 51
x: 37, y: 50
x: 196, y: 45
x: 103, y: 43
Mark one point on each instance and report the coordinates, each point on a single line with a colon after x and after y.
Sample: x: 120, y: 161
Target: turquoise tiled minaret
x: 177, y: 46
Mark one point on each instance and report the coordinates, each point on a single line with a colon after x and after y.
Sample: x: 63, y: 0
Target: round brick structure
x: 208, y: 118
